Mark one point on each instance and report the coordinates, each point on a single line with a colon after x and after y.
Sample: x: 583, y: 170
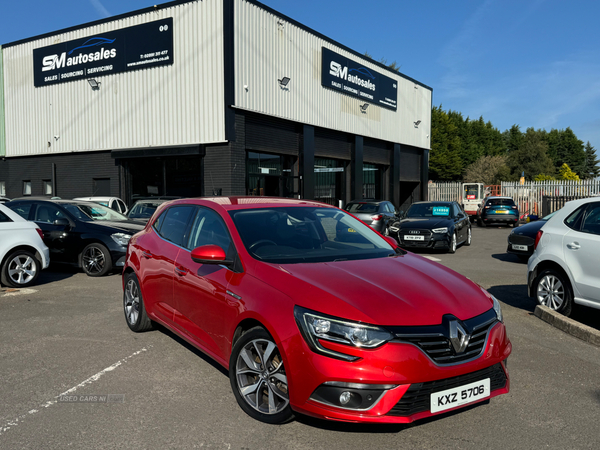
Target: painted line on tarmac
x: 13, y: 423
x: 13, y: 292
x: 431, y: 258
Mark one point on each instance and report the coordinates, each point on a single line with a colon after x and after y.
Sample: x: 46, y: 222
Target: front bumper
x: 434, y: 241
x: 398, y: 376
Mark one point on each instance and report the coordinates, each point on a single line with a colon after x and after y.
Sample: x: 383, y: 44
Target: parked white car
x: 113, y: 203
x: 565, y: 266
x: 23, y: 254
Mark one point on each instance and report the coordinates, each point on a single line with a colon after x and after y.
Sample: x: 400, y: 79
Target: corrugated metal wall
x: 2, y: 129
x: 170, y: 105
x: 268, y: 48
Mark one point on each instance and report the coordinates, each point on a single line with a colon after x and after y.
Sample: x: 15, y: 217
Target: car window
x: 573, y: 221
x: 208, y: 228
x: 390, y: 208
x: 366, y: 208
x: 176, y: 223
x: 429, y: 210
x: 4, y: 217
x: 144, y: 210
x: 289, y: 235
x: 591, y: 221
x: 95, y: 212
x: 113, y: 205
x: 122, y: 206
x: 456, y: 209
x: 46, y: 213
x: 22, y: 209
x: 500, y: 202
x: 159, y: 221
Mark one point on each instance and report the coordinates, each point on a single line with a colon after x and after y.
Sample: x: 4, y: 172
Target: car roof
x: 499, y: 196
x: 434, y: 201
x: 367, y: 200
x: 49, y: 200
x: 249, y: 202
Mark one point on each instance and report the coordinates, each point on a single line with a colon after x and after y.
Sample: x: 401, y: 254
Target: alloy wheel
x: 22, y: 269
x: 261, y: 377
x: 551, y: 292
x: 132, y: 302
x: 94, y: 260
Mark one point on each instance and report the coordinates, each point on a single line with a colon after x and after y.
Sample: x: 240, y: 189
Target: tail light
x: 538, y: 237
x: 513, y: 207
x: 377, y: 217
x: 40, y: 232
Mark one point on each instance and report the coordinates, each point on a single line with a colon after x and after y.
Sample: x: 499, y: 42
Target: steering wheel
x: 260, y: 243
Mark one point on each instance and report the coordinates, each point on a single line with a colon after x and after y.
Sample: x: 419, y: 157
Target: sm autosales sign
x: 352, y: 78
x: 138, y: 47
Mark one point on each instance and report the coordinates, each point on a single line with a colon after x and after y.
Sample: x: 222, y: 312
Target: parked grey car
x: 378, y: 214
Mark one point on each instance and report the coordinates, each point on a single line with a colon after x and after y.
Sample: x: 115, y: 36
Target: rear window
x: 501, y: 202
x: 4, y: 217
x: 362, y: 208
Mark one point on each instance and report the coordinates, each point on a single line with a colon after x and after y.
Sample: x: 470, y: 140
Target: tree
x: 564, y: 147
x: 531, y: 157
x: 444, y: 159
x: 591, y: 167
x: 565, y: 173
x: 512, y: 138
x: 485, y: 170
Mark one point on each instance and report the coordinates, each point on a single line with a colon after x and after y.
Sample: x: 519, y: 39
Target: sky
x: 533, y: 63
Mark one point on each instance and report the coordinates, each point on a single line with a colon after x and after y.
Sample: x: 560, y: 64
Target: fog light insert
x: 351, y: 396
x: 345, y: 397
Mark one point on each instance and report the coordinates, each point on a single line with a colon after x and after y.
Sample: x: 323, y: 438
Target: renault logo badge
x: 458, y: 337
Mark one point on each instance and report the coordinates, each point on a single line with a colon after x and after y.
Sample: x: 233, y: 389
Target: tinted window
x: 4, y: 217
x: 500, y: 202
x: 122, y: 206
x: 208, y: 228
x: 429, y: 210
x: 46, y: 213
x: 290, y: 235
x: 591, y: 222
x: 176, y: 223
x: 159, y: 221
x: 22, y: 209
x: 366, y: 208
x: 574, y: 219
x: 144, y: 210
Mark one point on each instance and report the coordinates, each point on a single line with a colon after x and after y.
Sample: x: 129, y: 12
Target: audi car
x: 313, y: 312
x: 433, y: 225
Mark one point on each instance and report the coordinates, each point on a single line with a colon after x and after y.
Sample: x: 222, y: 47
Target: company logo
x: 414, y: 232
x: 54, y: 62
x: 337, y: 70
x: 458, y: 337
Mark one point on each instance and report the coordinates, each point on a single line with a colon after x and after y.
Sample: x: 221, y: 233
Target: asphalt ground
x: 152, y: 390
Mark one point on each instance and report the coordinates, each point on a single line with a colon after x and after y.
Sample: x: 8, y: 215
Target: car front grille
x: 435, y: 341
x: 417, y: 397
x: 519, y: 239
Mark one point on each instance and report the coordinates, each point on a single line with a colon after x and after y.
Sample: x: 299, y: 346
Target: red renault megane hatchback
x: 313, y: 312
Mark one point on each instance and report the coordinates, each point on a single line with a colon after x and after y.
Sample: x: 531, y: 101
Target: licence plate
x: 501, y: 211
x: 414, y: 238
x: 451, y: 398
x: 519, y: 247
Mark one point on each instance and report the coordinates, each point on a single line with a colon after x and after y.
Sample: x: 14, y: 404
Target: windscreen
x: 94, y: 212
x: 289, y: 235
x: 143, y: 210
x: 366, y: 208
x: 471, y: 191
x: 500, y: 202
x: 429, y: 210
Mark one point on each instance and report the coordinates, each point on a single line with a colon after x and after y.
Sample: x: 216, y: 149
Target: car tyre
x: 258, y: 378
x: 452, y: 248
x: 96, y: 260
x: 133, y: 305
x: 469, y: 237
x: 552, y: 289
x: 480, y: 223
x: 21, y: 269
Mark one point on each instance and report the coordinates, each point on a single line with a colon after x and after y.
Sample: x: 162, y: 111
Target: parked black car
x: 521, y: 240
x: 378, y: 214
x: 433, y: 225
x: 85, y: 234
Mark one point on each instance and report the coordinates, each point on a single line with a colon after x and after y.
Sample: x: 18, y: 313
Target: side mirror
x: 62, y: 222
x: 392, y: 241
x: 460, y: 215
x: 209, y: 254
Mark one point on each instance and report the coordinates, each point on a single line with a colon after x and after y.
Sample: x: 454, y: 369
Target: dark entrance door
x: 330, y: 181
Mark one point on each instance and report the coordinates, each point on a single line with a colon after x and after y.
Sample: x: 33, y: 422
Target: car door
x: 203, y: 304
x: 60, y: 232
x: 460, y: 222
x: 581, y: 249
x: 158, y: 250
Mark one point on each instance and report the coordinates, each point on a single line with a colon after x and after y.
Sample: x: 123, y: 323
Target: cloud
x: 98, y: 6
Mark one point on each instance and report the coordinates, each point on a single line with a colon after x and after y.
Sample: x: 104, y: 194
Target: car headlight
x: 394, y: 229
x: 440, y: 230
x: 497, y: 308
x: 121, y: 238
x: 316, y: 326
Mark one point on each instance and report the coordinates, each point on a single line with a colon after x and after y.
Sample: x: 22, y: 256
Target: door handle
x: 147, y: 255
x: 180, y: 271
x: 574, y: 246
